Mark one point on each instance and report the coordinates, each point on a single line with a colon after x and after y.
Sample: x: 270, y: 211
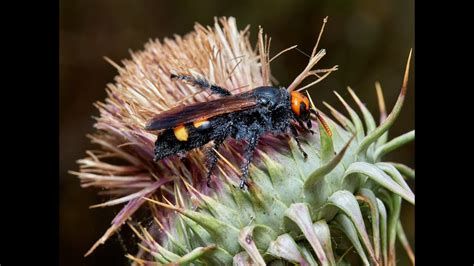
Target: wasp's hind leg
x: 202, y: 83
x: 248, y: 154
x: 297, y: 139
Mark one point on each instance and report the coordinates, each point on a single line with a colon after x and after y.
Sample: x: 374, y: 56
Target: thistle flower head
x: 292, y: 207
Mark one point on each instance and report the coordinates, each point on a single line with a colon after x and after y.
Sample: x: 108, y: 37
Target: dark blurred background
x: 368, y: 39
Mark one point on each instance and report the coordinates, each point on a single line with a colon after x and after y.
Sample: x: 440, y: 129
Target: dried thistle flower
x: 293, y: 210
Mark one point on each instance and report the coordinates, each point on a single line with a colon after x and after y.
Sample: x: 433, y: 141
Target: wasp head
x: 300, y: 105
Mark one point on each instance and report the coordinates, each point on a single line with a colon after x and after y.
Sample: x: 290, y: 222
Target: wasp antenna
x: 324, y: 124
x: 320, y: 118
x: 297, y: 49
x: 282, y: 52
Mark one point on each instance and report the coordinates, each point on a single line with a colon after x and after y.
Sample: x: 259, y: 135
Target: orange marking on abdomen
x: 200, y: 123
x: 181, y: 133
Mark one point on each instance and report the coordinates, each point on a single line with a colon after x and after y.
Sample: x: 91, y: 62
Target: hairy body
x: 246, y: 116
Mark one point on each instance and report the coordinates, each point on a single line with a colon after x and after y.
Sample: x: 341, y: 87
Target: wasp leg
x: 183, y: 157
x: 212, y: 160
x: 202, y: 83
x: 309, y: 124
x: 248, y: 154
x: 304, y: 127
x: 297, y: 139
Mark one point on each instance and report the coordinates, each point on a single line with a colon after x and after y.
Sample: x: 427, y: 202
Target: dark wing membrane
x: 202, y: 110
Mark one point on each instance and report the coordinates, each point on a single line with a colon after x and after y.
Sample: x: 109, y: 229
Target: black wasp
x: 244, y: 116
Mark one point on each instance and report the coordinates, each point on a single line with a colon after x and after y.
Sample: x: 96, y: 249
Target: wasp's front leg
x: 302, y: 125
x: 297, y: 139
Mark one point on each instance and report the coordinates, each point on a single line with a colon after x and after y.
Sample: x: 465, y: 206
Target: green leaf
x: 265, y: 181
x: 380, y: 177
x: 243, y: 259
x: 217, y: 256
x: 324, y: 236
x: 346, y: 201
x: 392, y: 117
x: 315, y: 177
x: 394, y: 144
x: 158, y: 256
x: 176, y: 244
x: 393, y: 219
x: 368, y: 118
x: 223, y: 234
x: 285, y: 247
x: 394, y: 203
x: 246, y: 241
x: 281, y: 178
x: 383, y: 114
x: 278, y: 263
x: 383, y: 230
x: 327, y: 146
x: 260, y: 212
x: 393, y: 172
x: 244, y: 204
x: 308, y: 255
x: 371, y: 200
x: 168, y: 255
x: 194, y: 254
x: 199, y: 235
x: 219, y: 211
x: 355, y: 118
x: 349, y: 230
x: 299, y: 214
x: 404, y: 170
x: 345, y: 122
x: 403, y: 239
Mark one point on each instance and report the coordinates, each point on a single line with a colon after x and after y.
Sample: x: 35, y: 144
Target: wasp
x: 245, y: 116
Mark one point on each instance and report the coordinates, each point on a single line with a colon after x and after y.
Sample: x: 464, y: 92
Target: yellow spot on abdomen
x: 200, y: 123
x: 181, y: 133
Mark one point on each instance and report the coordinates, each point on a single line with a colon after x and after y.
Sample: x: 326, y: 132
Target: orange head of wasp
x: 301, y: 109
x: 300, y: 105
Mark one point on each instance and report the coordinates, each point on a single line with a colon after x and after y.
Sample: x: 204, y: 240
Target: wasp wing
x: 202, y: 110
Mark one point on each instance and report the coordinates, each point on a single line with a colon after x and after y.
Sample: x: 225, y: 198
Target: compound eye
x: 304, y: 111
